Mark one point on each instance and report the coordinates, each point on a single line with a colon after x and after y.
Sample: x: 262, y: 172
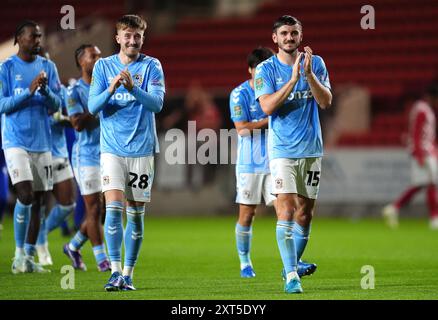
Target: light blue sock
x: 286, y: 245
x: 77, y: 241
x: 42, y: 234
x: 100, y: 253
x: 57, y: 215
x: 21, y: 223
x: 113, y: 228
x: 29, y: 249
x: 301, y: 236
x: 243, y: 242
x: 133, y: 234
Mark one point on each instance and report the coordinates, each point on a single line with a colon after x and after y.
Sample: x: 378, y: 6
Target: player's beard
x: 294, y: 47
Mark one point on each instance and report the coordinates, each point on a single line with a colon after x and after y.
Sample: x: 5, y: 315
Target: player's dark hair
x: 259, y: 55
x: 80, y: 51
x: 286, y: 21
x: 131, y: 21
x: 20, y: 28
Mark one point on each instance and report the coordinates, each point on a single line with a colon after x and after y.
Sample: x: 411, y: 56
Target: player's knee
x: 25, y: 197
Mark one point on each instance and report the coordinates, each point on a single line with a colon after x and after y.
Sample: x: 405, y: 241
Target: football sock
x: 406, y: 197
x: 29, y: 249
x: 99, y: 253
x: 243, y: 242
x: 286, y: 245
x: 57, y: 215
x: 431, y: 201
x: 301, y: 236
x: 133, y: 237
x: 21, y: 224
x: 113, y: 228
x: 77, y: 241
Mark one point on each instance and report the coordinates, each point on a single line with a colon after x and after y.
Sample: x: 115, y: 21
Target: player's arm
x: 80, y: 118
x: 245, y: 128
x: 14, y: 103
x: 419, y: 153
x: 240, y: 117
x: 153, y: 98
x: 52, y: 89
x: 321, y: 93
x: 271, y: 102
x: 99, y: 93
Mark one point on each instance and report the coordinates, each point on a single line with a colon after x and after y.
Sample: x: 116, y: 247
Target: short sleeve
x: 238, y: 105
x: 263, y: 82
x: 321, y: 72
x: 156, y: 84
x: 73, y: 102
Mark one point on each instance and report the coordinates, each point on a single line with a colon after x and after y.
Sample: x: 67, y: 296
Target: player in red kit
x: 424, y: 163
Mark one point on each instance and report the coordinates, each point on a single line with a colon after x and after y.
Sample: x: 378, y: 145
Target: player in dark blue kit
x: 29, y: 89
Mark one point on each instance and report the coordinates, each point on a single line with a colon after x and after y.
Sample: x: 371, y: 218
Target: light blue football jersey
x: 127, y: 125
x: 295, y: 130
x: 59, y: 141
x: 252, y: 155
x: 86, y: 148
x: 27, y: 126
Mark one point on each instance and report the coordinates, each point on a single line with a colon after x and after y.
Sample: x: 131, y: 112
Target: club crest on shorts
x: 246, y: 194
x: 106, y: 180
x: 278, y: 183
x: 15, y: 173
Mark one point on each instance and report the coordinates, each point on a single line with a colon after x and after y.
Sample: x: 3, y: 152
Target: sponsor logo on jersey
x: 306, y: 94
x: 125, y: 96
x: 157, y: 82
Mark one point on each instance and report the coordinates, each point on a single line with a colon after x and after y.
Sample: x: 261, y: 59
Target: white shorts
x: 30, y: 166
x: 61, y: 170
x: 133, y: 176
x: 426, y: 174
x: 251, y: 186
x: 300, y: 176
x: 88, y: 179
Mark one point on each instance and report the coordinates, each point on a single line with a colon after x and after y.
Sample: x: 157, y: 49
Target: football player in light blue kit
x: 253, y: 179
x: 290, y: 86
x: 86, y: 162
x: 63, y: 183
x: 29, y: 89
x: 127, y: 89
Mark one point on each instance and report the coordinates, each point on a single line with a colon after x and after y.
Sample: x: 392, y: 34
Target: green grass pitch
x: 195, y: 258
